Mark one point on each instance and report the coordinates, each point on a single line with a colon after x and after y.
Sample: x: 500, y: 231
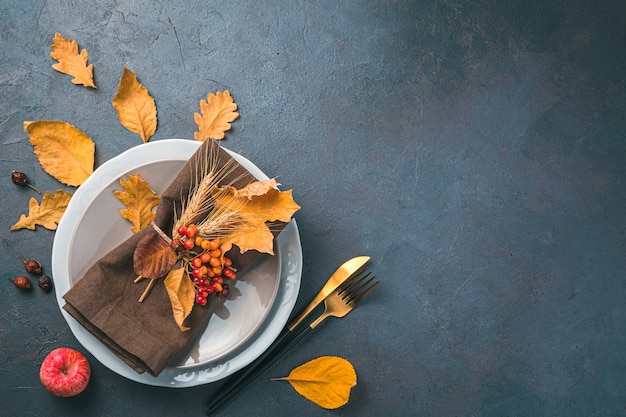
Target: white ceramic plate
x: 238, y: 332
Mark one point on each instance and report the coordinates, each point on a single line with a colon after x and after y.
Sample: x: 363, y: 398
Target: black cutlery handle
x: 232, y: 388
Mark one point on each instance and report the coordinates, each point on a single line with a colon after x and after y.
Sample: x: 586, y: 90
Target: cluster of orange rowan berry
x: 205, y: 262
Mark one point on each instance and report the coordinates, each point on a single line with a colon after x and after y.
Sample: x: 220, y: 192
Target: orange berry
x: 192, y: 229
x: 215, y: 243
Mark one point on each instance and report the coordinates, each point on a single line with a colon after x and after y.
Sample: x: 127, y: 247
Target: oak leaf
x: 71, y: 62
x: 139, y: 200
x: 135, y: 107
x: 153, y: 257
x: 254, y: 212
x: 215, y: 116
x: 326, y: 381
x: 182, y: 296
x: 63, y: 151
x: 48, y: 214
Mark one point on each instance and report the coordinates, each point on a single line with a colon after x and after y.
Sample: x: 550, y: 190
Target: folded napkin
x: 105, y: 300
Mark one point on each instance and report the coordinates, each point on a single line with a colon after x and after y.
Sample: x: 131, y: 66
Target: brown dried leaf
x: 139, y: 199
x: 71, y: 62
x: 215, y: 116
x: 326, y: 381
x: 182, y: 296
x: 135, y: 107
x: 63, y: 151
x: 153, y: 256
x: 48, y: 214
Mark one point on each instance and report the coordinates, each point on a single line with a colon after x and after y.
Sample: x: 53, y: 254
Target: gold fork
x: 341, y: 301
x: 337, y: 304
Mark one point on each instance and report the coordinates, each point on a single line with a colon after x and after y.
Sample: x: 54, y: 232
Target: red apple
x: 65, y: 372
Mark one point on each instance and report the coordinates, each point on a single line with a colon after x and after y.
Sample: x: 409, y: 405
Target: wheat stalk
x: 199, y: 207
x: 224, y: 219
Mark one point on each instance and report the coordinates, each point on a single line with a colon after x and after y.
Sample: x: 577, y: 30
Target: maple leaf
x: 256, y: 188
x: 326, y: 381
x: 215, y: 116
x: 253, y: 212
x: 48, y: 214
x: 182, y: 296
x: 71, y: 62
x: 63, y: 151
x: 135, y: 107
x: 139, y: 200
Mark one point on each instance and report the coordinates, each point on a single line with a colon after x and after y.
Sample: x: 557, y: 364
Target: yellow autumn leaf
x: 182, y: 297
x: 251, y: 234
x: 139, y: 200
x: 63, y: 151
x: 135, y: 107
x: 256, y: 188
x: 326, y: 381
x: 71, y: 62
x: 48, y: 214
x: 253, y: 212
x: 215, y: 116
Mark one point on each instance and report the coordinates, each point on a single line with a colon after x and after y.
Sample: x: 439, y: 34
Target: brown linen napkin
x: 104, y: 301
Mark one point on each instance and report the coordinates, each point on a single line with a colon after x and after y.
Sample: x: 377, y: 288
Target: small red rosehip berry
x: 19, y: 178
x: 22, y: 283
x: 45, y: 283
x: 32, y: 266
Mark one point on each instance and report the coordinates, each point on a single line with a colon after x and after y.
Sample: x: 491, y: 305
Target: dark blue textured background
x: 476, y: 150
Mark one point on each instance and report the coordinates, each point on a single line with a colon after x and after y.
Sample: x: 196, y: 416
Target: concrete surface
x: 474, y: 149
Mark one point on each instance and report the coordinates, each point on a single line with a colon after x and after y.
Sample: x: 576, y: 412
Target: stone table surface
x: 476, y: 150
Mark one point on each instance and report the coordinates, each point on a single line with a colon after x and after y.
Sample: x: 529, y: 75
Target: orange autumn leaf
x: 254, y: 210
x: 253, y: 234
x: 256, y: 188
x: 326, y: 381
x: 139, y: 200
x: 182, y: 296
x: 215, y: 116
x: 63, y: 151
x: 48, y: 214
x: 71, y: 62
x: 135, y: 107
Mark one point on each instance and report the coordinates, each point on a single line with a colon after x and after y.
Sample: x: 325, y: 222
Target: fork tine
x: 361, y: 296
x: 357, y: 294
x: 352, y: 284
